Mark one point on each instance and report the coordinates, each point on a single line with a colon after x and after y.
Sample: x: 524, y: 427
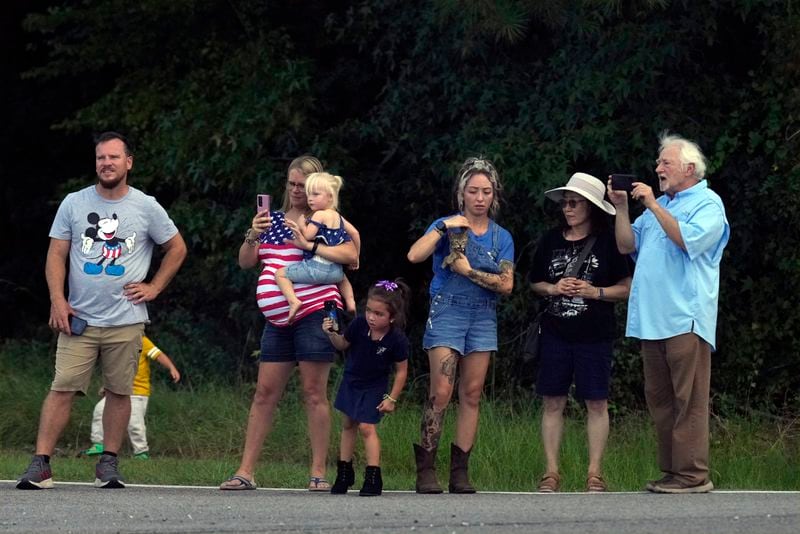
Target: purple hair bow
x: 388, y: 285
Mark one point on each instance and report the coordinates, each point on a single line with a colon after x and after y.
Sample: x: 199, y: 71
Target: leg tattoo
x: 449, y: 366
x: 431, y: 428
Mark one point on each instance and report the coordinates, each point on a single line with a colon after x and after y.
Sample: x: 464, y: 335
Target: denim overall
x: 462, y: 314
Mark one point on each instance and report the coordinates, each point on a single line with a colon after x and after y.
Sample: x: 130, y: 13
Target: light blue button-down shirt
x: 676, y: 291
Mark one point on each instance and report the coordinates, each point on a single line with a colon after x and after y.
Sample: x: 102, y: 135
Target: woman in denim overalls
x: 461, y: 330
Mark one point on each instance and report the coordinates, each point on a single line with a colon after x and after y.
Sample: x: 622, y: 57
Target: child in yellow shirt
x: 137, y: 431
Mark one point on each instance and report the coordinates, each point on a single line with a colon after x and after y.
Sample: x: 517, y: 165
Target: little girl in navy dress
x: 375, y: 343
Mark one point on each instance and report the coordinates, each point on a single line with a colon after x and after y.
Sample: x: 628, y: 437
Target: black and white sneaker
x: 38, y: 475
x: 107, y: 473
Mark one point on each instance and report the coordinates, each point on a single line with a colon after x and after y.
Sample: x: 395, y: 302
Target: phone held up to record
x: 332, y: 313
x: 622, y: 182
x: 262, y: 203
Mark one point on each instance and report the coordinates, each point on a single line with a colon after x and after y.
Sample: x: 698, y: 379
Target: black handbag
x: 530, y: 349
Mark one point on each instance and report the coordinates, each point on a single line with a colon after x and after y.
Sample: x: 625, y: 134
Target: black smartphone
x: 333, y: 314
x: 76, y: 325
x: 623, y: 182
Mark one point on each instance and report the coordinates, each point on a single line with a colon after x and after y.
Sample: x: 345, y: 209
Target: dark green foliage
x: 392, y: 95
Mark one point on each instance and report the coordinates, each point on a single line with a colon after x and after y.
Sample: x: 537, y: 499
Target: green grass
x: 196, y: 437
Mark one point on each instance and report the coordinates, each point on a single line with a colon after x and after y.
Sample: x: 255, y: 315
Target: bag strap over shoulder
x: 576, y: 267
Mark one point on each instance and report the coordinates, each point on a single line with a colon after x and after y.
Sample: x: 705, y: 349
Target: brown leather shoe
x: 676, y: 485
x: 651, y: 484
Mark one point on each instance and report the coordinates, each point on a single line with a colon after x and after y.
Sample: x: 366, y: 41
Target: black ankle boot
x: 373, y: 483
x: 345, y: 477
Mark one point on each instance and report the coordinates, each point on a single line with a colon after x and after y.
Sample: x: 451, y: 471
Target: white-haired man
x: 677, y: 244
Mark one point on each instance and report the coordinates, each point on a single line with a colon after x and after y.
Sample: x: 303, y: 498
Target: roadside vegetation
x: 393, y: 95
x: 196, y: 434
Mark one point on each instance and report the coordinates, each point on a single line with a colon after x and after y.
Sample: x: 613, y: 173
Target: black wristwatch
x: 441, y: 227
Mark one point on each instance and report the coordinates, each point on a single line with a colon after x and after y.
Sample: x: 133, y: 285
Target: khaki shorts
x: 118, y: 348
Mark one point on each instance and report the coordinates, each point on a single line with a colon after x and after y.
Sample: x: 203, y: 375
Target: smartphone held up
x: 623, y: 182
x: 262, y: 203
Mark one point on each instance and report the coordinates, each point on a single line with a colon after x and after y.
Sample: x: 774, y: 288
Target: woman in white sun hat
x: 578, y: 326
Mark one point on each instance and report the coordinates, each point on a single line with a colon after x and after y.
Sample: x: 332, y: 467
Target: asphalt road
x: 81, y: 508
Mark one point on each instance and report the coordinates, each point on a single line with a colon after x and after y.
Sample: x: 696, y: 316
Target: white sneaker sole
x: 702, y: 488
x: 109, y: 484
x: 31, y: 485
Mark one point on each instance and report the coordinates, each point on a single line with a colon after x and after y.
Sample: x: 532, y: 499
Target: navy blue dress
x: 367, y: 369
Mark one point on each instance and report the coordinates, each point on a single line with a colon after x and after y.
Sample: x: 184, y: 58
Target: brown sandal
x: 596, y: 484
x: 550, y: 483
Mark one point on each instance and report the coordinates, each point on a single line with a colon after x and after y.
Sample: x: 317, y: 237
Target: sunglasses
x: 571, y: 203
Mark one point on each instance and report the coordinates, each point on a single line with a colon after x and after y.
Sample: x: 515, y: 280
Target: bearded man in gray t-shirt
x: 107, y: 232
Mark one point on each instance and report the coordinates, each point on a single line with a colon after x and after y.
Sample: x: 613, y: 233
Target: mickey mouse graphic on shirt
x: 105, y: 231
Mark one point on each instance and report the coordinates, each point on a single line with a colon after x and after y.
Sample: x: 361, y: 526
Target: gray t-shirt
x: 111, y: 244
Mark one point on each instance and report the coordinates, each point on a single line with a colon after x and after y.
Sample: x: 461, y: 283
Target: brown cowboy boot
x: 459, y: 478
x: 426, y: 470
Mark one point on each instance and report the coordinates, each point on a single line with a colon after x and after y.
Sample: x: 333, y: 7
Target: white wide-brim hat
x: 587, y: 186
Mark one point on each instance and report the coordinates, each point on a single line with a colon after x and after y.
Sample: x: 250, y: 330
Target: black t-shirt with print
x: 575, y: 318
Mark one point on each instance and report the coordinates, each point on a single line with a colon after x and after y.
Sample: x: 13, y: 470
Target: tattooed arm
x: 501, y: 283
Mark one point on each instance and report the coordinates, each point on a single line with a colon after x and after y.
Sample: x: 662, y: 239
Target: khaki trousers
x: 677, y: 376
